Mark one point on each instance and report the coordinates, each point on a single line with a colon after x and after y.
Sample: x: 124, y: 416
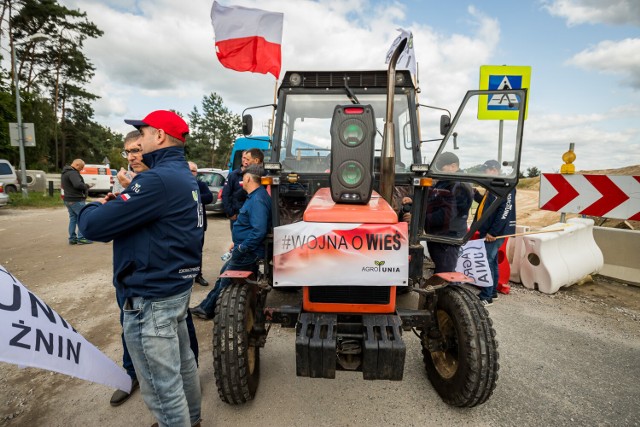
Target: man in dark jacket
x: 502, y: 222
x: 448, y: 204
x: 249, y: 232
x: 233, y: 195
x: 206, y: 197
x: 75, y: 195
x: 156, y: 227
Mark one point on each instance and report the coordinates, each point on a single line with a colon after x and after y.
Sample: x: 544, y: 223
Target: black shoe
x: 199, y: 312
x: 119, y: 396
x: 201, y: 280
x: 494, y: 296
x: 73, y: 241
x: 84, y: 241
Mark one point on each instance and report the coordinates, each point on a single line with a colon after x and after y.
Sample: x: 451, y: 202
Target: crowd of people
x: 158, y: 239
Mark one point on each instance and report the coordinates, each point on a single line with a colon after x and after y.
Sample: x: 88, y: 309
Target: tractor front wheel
x: 462, y: 364
x: 236, y: 360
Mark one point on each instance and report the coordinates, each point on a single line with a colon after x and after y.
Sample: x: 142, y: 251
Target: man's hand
x: 125, y: 178
x: 233, y: 218
x: 489, y: 238
x: 231, y: 247
x: 105, y: 199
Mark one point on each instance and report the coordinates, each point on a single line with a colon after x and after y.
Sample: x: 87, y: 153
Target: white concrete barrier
x: 516, y: 253
x: 621, y: 249
x: 556, y: 259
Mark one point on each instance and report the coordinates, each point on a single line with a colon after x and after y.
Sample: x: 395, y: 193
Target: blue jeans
x: 156, y: 334
x: 492, y: 259
x: 127, y: 363
x: 74, y: 209
x: 238, y: 261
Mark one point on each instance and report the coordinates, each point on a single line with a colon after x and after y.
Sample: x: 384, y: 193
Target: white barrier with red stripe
x: 608, y: 196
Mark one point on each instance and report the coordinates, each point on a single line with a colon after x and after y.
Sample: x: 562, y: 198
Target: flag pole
x: 531, y: 232
x: 273, y: 111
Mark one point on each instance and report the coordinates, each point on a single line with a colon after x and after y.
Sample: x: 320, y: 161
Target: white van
x: 98, y: 175
x: 8, y: 177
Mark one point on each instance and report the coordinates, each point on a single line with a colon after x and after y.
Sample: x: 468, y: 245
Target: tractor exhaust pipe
x: 388, y: 160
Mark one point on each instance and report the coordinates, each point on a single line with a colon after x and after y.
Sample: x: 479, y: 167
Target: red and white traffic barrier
x: 607, y: 196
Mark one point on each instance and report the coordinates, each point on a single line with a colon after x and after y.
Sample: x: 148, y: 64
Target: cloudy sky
x: 584, y: 54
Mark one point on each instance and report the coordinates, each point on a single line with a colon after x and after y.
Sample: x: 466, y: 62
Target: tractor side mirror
x: 247, y: 124
x: 445, y: 124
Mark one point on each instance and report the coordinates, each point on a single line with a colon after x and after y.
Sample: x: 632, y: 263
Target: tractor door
x: 475, y: 157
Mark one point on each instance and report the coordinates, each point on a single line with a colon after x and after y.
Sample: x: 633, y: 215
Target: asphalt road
x: 572, y: 358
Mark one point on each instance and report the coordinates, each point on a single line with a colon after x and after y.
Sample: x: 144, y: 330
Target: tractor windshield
x: 305, y: 138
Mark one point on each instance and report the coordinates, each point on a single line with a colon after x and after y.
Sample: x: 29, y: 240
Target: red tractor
x: 345, y: 151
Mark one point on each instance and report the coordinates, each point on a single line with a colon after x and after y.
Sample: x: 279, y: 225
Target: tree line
x: 54, y: 77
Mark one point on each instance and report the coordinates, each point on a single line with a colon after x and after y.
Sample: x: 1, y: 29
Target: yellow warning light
x: 568, y: 158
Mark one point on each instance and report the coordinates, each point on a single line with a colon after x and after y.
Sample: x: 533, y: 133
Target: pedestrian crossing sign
x: 502, y: 77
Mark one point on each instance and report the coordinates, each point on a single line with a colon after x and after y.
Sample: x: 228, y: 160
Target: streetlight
x: 23, y: 166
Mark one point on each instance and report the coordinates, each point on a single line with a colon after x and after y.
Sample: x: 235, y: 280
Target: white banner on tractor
x: 340, y: 254
x: 33, y: 334
x: 472, y: 262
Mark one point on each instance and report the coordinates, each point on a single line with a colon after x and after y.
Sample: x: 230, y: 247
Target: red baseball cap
x: 168, y: 121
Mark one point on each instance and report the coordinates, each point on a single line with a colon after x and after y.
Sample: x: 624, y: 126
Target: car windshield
x: 305, y: 140
x: 212, y: 179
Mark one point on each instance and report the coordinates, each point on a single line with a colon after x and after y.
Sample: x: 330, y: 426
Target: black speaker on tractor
x: 353, y: 131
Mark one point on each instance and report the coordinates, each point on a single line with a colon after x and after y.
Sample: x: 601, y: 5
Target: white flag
x: 33, y: 334
x: 407, y: 59
x: 473, y: 263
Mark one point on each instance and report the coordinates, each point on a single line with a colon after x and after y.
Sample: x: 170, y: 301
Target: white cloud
x: 616, y: 57
x: 576, y: 12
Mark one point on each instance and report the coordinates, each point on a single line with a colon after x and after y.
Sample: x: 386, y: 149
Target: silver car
x: 4, y: 198
x: 215, y: 180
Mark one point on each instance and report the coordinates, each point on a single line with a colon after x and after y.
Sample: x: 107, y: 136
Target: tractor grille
x: 349, y: 294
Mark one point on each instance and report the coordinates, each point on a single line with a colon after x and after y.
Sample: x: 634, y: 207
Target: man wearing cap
x: 156, y: 228
x: 233, y: 195
x: 448, y: 204
x: 500, y: 223
x: 249, y: 232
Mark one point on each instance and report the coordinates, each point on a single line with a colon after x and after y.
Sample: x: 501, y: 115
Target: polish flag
x: 248, y: 39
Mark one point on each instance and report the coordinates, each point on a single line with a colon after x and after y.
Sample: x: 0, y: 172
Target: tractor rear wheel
x: 236, y: 360
x: 464, y: 367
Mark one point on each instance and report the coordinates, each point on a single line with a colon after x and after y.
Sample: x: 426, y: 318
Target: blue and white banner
x: 33, y: 334
x: 472, y: 262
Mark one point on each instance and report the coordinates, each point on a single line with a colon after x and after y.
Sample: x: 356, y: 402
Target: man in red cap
x: 156, y: 227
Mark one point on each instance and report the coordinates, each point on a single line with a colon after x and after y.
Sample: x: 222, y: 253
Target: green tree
x: 532, y: 172
x: 55, y: 75
x: 212, y: 132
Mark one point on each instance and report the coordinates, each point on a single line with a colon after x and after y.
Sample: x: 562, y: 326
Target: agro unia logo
x: 379, y: 268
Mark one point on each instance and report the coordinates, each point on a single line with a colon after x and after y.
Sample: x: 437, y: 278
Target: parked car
x: 4, y: 198
x: 8, y: 176
x: 215, y: 180
x: 98, y: 175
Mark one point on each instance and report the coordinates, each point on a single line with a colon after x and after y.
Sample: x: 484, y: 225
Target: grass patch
x: 35, y: 200
x: 529, y: 183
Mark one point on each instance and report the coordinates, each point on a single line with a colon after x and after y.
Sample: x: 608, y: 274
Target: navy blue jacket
x: 156, y: 228
x: 253, y: 223
x: 233, y: 195
x: 448, y: 204
x: 502, y: 221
